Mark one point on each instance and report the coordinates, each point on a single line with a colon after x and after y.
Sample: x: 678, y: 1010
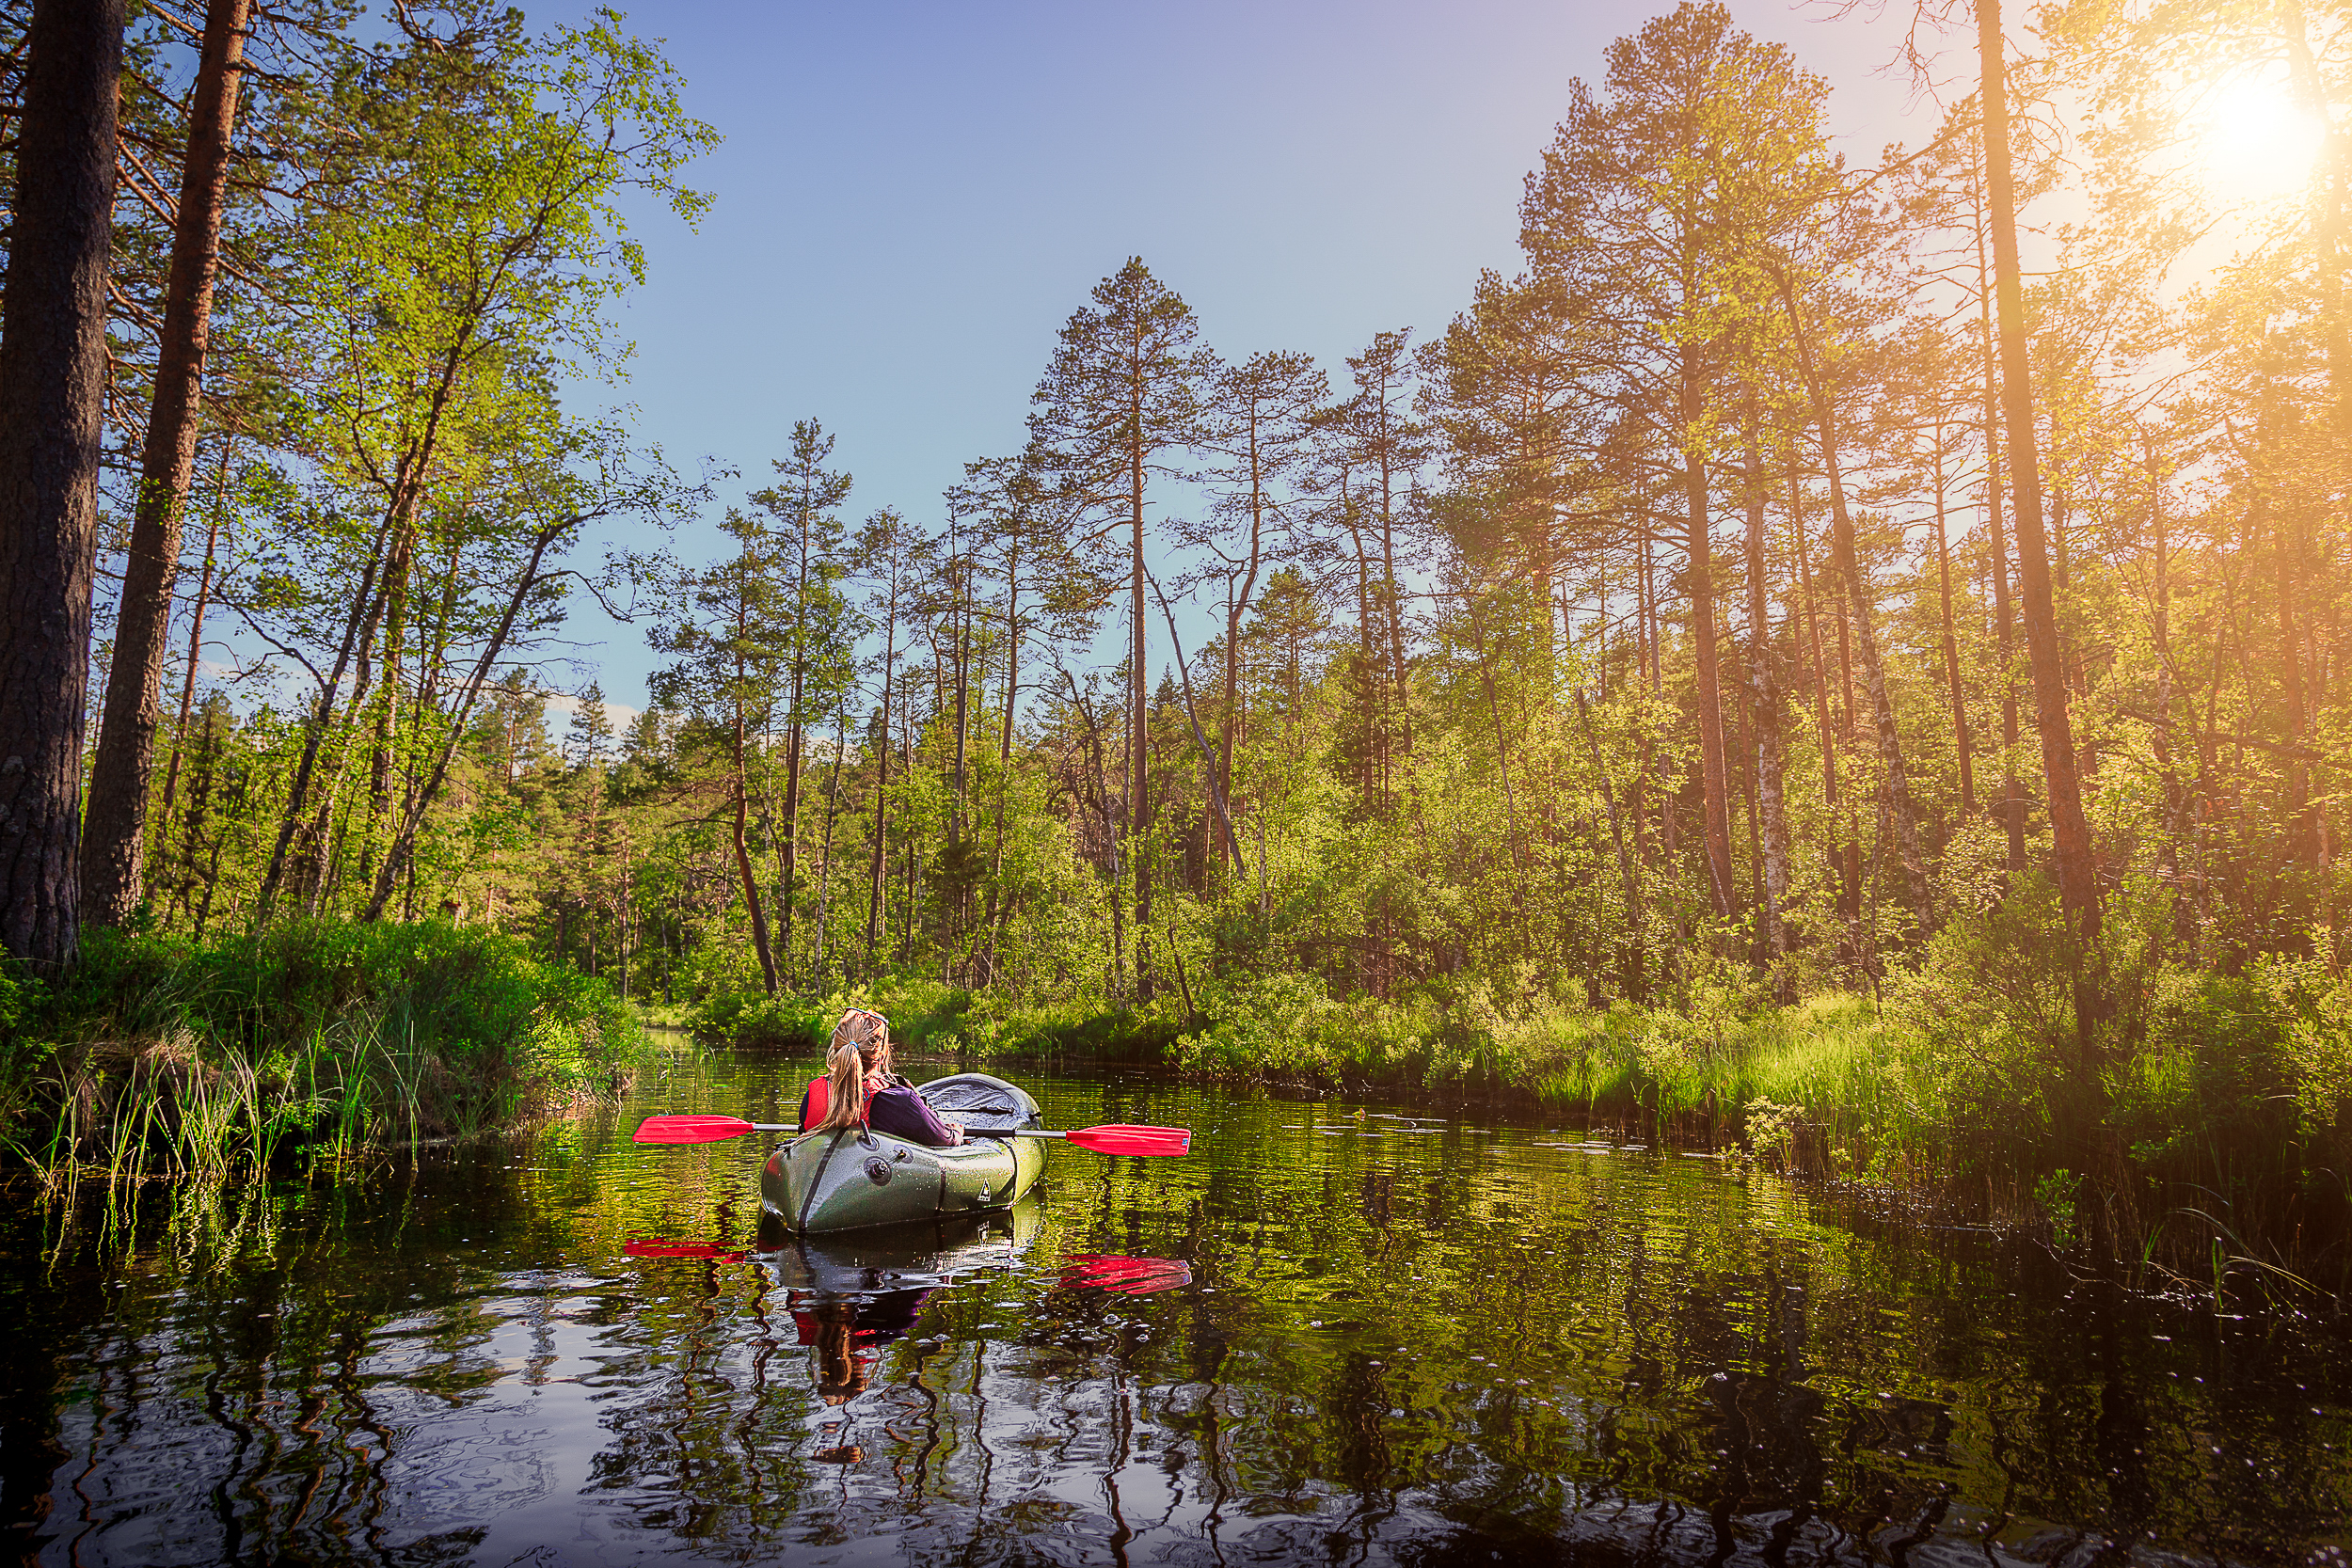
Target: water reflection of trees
x: 1393, y: 1343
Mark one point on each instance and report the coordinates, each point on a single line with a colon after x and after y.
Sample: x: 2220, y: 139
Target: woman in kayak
x: 858, y: 1086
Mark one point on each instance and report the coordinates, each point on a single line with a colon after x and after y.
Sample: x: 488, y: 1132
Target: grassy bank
x: 159, y: 1055
x: 2210, y: 1110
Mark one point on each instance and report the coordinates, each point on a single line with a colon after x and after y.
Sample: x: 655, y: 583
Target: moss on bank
x: 161, y: 1055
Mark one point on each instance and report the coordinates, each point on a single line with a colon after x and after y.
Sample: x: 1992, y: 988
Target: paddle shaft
x: 968, y: 1132
x: 1103, y: 1140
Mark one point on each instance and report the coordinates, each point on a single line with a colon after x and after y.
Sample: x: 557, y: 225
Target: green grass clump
x: 163, y: 1055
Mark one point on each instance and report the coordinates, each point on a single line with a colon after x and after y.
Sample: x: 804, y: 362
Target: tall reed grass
x: 161, y: 1056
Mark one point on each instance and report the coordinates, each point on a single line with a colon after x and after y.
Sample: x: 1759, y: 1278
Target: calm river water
x: 1333, y: 1334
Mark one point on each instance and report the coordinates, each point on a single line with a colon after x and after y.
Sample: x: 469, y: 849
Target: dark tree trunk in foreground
x: 112, y: 868
x: 52, y: 366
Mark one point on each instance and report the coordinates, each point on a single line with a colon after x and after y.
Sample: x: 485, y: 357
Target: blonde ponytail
x: 861, y: 1042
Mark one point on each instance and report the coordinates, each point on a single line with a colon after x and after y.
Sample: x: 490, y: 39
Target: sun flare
x: 2254, y: 141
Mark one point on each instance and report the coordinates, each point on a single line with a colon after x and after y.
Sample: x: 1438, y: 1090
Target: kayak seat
x: 981, y: 1102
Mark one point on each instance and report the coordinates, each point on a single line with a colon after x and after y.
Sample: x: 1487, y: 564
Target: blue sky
x: 913, y: 197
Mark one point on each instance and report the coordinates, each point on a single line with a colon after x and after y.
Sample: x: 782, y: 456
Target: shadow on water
x: 1333, y: 1334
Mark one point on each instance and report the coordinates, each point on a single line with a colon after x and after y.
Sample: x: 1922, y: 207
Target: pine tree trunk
x: 2161, y: 628
x: 741, y: 839
x: 1898, y: 785
x: 2109, y: 1206
x: 1713, y: 792
x: 1397, y: 717
x: 115, y: 827
x: 1951, y: 644
x: 195, y: 638
x: 2070, y: 832
x: 997, y: 905
x: 2012, y: 788
x: 53, y: 370
x: 2264, y: 516
x: 1139, y: 751
x: 2329, y: 230
x: 789, y: 893
x: 824, y: 861
x: 1840, y: 864
x: 881, y: 786
x: 1771, y: 799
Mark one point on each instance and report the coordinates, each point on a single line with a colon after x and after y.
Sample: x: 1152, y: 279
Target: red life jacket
x: 820, y: 1100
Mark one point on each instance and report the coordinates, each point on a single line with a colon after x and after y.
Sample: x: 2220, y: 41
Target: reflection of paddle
x: 1125, y: 1276
x: 1118, y: 1139
x: 654, y: 1247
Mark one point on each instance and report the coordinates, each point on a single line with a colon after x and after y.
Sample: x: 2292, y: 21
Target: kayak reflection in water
x: 858, y: 1086
x: 848, y: 1332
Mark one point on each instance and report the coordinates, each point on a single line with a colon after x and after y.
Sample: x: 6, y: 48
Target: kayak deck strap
x: 808, y: 1200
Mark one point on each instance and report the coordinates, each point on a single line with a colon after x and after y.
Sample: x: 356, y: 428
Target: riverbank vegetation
x: 162, y: 1056
x: 1774, y: 658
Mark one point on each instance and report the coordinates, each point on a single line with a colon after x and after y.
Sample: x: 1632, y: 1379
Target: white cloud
x: 620, y: 715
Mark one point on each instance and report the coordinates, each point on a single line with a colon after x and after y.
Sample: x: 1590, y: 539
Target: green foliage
x: 163, y: 1055
x: 2054, y: 1195
x: 1469, y: 846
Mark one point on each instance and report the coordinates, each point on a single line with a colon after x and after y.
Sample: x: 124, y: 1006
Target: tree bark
x: 1139, y: 735
x: 196, y: 634
x: 740, y: 835
x: 2328, y: 228
x: 1771, y: 799
x: 2110, y: 1209
x: 788, y: 894
x: 399, y: 855
x: 2167, y: 769
x: 1713, y: 793
x: 2265, y: 515
x: 2013, y: 788
x: 2070, y: 832
x: 1841, y: 864
x: 53, y: 369
x: 1857, y: 587
x: 882, y: 780
x: 997, y: 905
x: 1952, y: 644
x: 116, y: 837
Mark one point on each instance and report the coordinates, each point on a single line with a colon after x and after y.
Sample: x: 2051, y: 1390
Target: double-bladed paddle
x: 1116, y: 1139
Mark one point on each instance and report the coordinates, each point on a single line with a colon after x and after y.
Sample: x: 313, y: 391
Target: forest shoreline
x: 1935, y: 1090
x: 161, y: 1055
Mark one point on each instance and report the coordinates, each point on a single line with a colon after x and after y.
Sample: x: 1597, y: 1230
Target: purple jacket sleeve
x: 903, y: 1113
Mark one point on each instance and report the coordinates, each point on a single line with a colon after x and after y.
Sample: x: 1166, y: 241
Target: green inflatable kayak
x: 854, y: 1178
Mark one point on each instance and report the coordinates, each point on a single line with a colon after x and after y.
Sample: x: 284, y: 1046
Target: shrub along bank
x: 162, y: 1055
x: 2213, y: 1106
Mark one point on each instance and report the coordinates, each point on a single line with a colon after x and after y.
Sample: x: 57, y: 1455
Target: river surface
x: 1334, y: 1333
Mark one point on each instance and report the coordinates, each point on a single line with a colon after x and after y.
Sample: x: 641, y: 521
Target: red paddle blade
x: 652, y: 1246
x: 1134, y: 1140
x: 1125, y: 1276
x: 691, y: 1129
